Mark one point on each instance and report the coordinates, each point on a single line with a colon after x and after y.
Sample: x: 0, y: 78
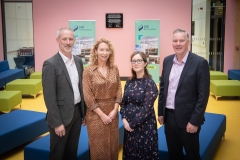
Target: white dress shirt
x: 73, y: 74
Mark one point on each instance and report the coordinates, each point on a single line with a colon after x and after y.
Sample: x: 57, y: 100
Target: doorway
x: 208, y: 29
x: 18, y: 33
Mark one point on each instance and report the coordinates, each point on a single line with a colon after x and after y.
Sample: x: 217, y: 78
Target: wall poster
x: 84, y: 32
x: 147, y: 36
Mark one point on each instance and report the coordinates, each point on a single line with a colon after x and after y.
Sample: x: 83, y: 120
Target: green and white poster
x: 147, y: 36
x: 84, y: 32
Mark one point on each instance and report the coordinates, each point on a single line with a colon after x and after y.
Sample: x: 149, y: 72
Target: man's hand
x: 191, y: 128
x: 84, y: 122
x: 60, y: 130
x: 161, y: 120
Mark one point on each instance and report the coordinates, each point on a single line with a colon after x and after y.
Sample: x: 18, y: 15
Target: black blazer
x: 58, y: 91
x: 192, y: 92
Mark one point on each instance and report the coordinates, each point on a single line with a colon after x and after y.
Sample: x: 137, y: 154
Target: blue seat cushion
x: 210, y: 136
x: 4, y: 65
x: 10, y: 75
x: 2, y: 82
x: 13, y: 74
x: 19, y: 127
x: 121, y: 129
x: 39, y: 149
x: 234, y: 74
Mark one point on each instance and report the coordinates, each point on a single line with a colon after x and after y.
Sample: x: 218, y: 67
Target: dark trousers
x: 65, y: 148
x: 177, y: 138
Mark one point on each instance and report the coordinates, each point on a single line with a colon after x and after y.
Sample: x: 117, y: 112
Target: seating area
x: 26, y: 86
x: 9, y: 100
x: 7, y: 75
x: 39, y: 149
x: 234, y: 74
x: 19, y: 127
x: 211, y: 135
x: 225, y: 88
x: 229, y: 108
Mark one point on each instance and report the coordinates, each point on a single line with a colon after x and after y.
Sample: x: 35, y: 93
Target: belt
x: 170, y: 110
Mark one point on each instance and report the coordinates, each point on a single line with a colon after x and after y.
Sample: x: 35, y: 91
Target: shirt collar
x: 183, y: 60
x: 66, y: 59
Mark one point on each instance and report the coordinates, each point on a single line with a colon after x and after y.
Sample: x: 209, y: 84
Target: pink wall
x: 1, y: 39
x: 49, y: 16
x: 229, y: 35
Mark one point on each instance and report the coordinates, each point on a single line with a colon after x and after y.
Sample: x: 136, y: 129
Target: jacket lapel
x: 63, y: 66
x: 168, y: 70
x: 185, y: 69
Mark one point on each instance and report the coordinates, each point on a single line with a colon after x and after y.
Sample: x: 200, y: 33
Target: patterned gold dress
x: 102, y: 92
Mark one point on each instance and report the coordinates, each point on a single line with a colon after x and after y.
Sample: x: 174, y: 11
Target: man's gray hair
x: 63, y: 29
x: 181, y: 31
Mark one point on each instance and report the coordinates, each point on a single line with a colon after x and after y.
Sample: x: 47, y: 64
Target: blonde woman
x: 102, y: 94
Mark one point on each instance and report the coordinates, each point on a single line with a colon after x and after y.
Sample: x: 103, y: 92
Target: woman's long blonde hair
x: 93, y: 56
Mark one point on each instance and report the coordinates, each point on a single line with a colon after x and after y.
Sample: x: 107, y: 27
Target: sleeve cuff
x: 93, y: 106
x: 118, y: 100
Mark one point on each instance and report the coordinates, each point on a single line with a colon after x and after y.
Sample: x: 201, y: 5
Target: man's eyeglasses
x: 138, y: 61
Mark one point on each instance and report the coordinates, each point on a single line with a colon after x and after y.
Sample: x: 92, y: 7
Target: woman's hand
x: 126, y: 125
x: 113, y: 114
x: 105, y: 119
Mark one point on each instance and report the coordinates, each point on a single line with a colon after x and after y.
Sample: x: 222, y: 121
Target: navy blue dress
x: 138, y: 108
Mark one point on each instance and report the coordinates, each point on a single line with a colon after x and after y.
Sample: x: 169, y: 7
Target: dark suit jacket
x: 192, y: 92
x: 58, y: 91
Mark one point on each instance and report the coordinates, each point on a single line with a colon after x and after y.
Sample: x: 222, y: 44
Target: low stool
x: 36, y: 75
x: 26, y: 86
x: 221, y: 88
x: 217, y: 75
x: 10, y: 99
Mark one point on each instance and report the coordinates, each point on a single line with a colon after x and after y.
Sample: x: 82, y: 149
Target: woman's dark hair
x: 146, y: 73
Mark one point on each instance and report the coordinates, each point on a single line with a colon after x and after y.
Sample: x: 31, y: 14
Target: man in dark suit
x: 63, y: 96
x: 184, y: 92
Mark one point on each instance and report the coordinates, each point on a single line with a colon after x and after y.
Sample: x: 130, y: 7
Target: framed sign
x: 114, y: 20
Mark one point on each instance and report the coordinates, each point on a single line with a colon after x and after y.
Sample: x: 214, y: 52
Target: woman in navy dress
x: 138, y: 115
